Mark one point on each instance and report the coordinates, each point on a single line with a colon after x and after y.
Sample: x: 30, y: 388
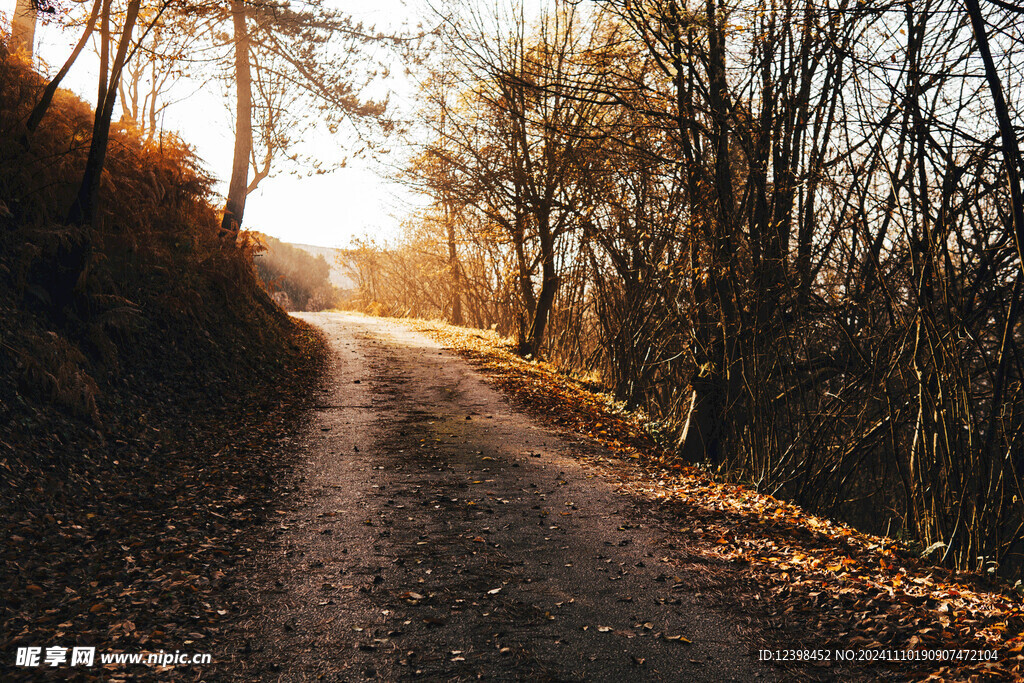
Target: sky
x: 325, y: 210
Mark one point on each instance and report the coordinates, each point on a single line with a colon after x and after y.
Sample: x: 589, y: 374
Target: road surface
x: 440, y: 534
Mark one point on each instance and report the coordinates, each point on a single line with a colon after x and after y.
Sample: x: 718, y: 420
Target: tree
x: 305, y: 60
x: 787, y: 233
x: 83, y: 209
x: 1007, y: 132
x: 238, y: 185
x: 72, y: 257
x: 23, y: 28
x: 515, y: 146
x: 166, y: 58
x: 39, y: 110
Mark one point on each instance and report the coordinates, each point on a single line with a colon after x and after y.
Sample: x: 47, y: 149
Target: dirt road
x: 439, y: 534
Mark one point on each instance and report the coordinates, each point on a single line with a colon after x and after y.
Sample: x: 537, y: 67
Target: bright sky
x: 327, y: 210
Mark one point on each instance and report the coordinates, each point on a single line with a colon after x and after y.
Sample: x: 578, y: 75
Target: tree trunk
x: 23, y: 29
x: 83, y: 210
x: 1012, y: 161
x: 72, y: 259
x: 535, y: 338
x: 43, y: 104
x: 525, y: 280
x: 701, y: 438
x: 237, y: 188
x: 1011, y: 149
x: 717, y: 98
x: 455, y: 272
x: 549, y: 285
x: 708, y: 423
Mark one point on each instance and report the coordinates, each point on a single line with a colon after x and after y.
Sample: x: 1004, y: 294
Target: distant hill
x: 336, y: 257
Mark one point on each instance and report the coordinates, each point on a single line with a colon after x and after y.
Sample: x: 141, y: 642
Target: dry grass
x: 158, y: 266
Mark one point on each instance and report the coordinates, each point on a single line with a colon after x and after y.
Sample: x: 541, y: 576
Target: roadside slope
x: 133, y: 419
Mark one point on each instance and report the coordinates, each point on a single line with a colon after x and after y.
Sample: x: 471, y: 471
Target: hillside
x: 336, y: 257
x: 297, y: 279
x: 119, y: 412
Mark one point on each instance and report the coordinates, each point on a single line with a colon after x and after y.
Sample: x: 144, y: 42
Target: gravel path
x: 439, y: 534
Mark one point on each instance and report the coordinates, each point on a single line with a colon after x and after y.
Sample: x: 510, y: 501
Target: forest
x: 789, y: 234
x: 703, y: 329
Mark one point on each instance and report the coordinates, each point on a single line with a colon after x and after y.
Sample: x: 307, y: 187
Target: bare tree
x: 787, y: 233
x: 310, y: 60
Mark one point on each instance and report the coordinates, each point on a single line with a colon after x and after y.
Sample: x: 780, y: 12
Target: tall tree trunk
x: 1012, y: 161
x: 23, y: 28
x: 455, y: 272
x: 1011, y: 148
x: 717, y: 98
x: 72, y: 259
x: 83, y: 210
x: 701, y: 438
x: 714, y: 386
x: 524, y: 278
x: 43, y: 104
x: 548, y: 288
x: 237, y: 188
